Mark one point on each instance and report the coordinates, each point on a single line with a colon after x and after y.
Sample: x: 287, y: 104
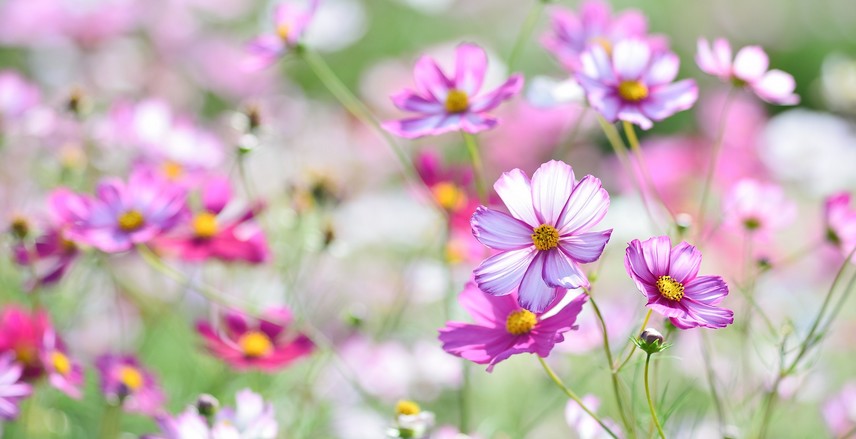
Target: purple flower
x: 12, y: 390
x: 50, y: 256
x: 634, y: 83
x: 452, y: 103
x: 669, y: 277
x: 290, y: 23
x: 121, y: 214
x: 124, y: 381
x: 546, y: 236
x: 502, y: 328
x: 748, y: 69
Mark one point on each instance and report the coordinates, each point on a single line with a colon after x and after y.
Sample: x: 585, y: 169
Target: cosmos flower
x: 445, y: 103
x: 12, y: 390
x: 840, y: 219
x: 451, y: 186
x: 17, y: 96
x: 252, y: 418
x: 121, y: 214
x: 64, y: 373
x: 51, y: 255
x: 266, y: 343
x: 669, y: 277
x: 545, y: 237
x: 290, y: 22
x: 758, y: 208
x: 748, y: 69
x: 839, y: 412
x: 125, y: 382
x: 633, y: 83
x: 502, y: 328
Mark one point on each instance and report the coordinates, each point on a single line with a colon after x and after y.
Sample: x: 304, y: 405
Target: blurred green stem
x: 630, y: 131
x: 650, y: 402
x: 565, y: 148
x: 525, y: 32
x: 478, y: 166
x: 714, y: 157
x: 711, y: 381
x: 110, y: 421
x: 633, y: 345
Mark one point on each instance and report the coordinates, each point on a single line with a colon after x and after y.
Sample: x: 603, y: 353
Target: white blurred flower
x: 547, y: 92
x: 336, y: 25
x: 838, y: 82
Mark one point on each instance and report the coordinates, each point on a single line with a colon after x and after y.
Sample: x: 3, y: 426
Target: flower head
x: 544, y: 238
x: 252, y: 418
x: 17, y: 96
x: 669, y: 277
x: 502, y: 328
x: 455, y: 103
x: 126, y: 382
x: 290, y: 22
x: 840, y: 220
x: 758, y: 208
x: 50, y: 256
x: 633, y: 83
x: 12, y: 390
x: 265, y: 344
x: 748, y: 69
x: 64, y: 373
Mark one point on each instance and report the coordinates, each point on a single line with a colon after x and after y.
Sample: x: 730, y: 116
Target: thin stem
x: 650, y: 402
x: 717, y: 147
x: 711, y: 380
x: 525, y: 32
x: 111, y: 421
x: 572, y: 137
x: 478, y: 166
x: 633, y: 345
x: 574, y: 396
x: 630, y: 131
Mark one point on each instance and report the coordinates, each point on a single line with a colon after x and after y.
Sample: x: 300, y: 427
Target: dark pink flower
x: 266, y: 344
x: 290, y: 23
x: 502, y: 328
x: 669, y: 277
x: 840, y: 218
x: 445, y: 103
x: 124, y: 381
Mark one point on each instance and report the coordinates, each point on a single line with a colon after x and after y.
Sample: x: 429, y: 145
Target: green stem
x: 650, y: 402
x: 633, y: 345
x: 714, y: 158
x: 630, y: 131
x: 111, y: 421
x: 711, y: 380
x: 525, y: 32
x: 478, y: 166
x: 574, y: 396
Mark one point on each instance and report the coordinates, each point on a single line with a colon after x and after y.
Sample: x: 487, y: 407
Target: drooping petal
x: 684, y: 262
x: 633, y: 114
x: 504, y: 92
x: 478, y: 344
x: 586, y: 206
x: 534, y: 294
x: 705, y: 58
x: 470, y: 68
x: 501, y: 273
x: 500, y: 231
x: 560, y: 271
x: 262, y: 52
x: 751, y: 63
x: 585, y: 247
x: 709, y: 290
x: 552, y: 185
x: 515, y: 190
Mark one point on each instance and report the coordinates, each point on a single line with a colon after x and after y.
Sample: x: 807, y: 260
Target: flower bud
x: 651, y: 341
x: 207, y: 405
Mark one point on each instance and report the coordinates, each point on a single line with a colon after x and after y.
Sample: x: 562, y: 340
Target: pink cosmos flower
x: 451, y: 186
x: 252, y: 418
x: 502, y: 328
x: 12, y: 390
x: 17, y: 96
x: 125, y: 382
x: 63, y: 373
x: 215, y: 233
x: 50, y: 255
x: 545, y: 237
x: 454, y: 103
x: 121, y: 215
x: 290, y: 23
x: 748, y: 69
x: 669, y: 277
x: 634, y: 83
x: 839, y: 412
x: 265, y: 344
x: 758, y: 208
x: 840, y: 219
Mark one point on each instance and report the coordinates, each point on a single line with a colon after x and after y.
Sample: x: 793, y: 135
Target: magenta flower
x: 546, y: 236
x: 50, y: 256
x: 12, y: 390
x: 454, y: 103
x: 840, y: 219
x: 758, y: 208
x: 265, y: 344
x: 748, y: 69
x: 121, y: 215
x: 669, y: 277
x: 634, y: 83
x: 125, y: 382
x: 211, y: 233
x: 64, y: 374
x: 290, y: 23
x: 502, y: 328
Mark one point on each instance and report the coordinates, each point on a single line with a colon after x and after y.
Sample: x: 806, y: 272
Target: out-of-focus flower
x: 252, y: 418
x: 39, y: 22
x: 758, y: 208
x: 839, y: 412
x: 410, y: 421
x: 50, y: 255
x: 290, y: 22
x: 124, y: 381
x: 545, y: 92
x: 633, y: 83
x: 23, y: 333
x: 17, y: 96
x: 668, y: 276
x: 12, y: 390
x: 450, y: 185
x: 840, y: 219
x: 449, y: 104
x: 64, y: 373
x: 583, y: 424
x: 211, y: 233
x: 838, y: 82
x: 266, y: 344
x: 121, y: 214
x: 502, y: 328
x: 545, y: 237
x: 572, y: 34
x: 748, y: 69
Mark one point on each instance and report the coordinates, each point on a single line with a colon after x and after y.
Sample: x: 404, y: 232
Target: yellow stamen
x: 26, y: 355
x: 602, y: 42
x: 172, y: 170
x: 633, y: 91
x: 131, y: 377
x: 205, y: 225
x: 255, y: 344
x: 61, y: 363
x: 670, y: 288
x: 406, y: 407
x: 520, y: 322
x: 282, y: 31
x: 545, y: 237
x: 131, y: 220
x: 457, y: 101
x: 449, y: 196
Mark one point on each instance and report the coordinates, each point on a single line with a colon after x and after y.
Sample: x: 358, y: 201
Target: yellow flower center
x: 205, y: 225
x: 545, y: 237
x: 255, y: 344
x: 448, y: 195
x: 26, y: 355
x: 131, y: 220
x: 172, y: 170
x: 61, y: 363
x: 457, y: 101
x: 602, y: 42
x: 633, y: 91
x: 406, y: 407
x: 131, y: 377
x: 752, y: 223
x: 670, y: 288
x: 282, y: 31
x: 520, y: 322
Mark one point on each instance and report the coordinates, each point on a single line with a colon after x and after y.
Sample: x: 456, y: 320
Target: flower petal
x: 552, y: 185
x: 515, y: 190
x: 630, y: 59
x: 501, y: 273
x: 430, y: 80
x: 751, y: 63
x: 667, y: 100
x: 470, y: 68
x: 418, y: 126
x: 684, y: 262
x: 585, y: 247
x: 709, y: 290
x: 586, y: 206
x: 777, y: 87
x: 487, y: 309
x: 504, y: 92
x: 500, y: 231
x: 408, y: 101
x: 216, y: 194
x: 561, y: 272
x: 534, y: 294
x: 708, y: 316
x: 663, y: 70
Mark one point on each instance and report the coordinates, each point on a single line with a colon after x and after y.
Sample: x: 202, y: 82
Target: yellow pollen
x: 255, y: 344
x: 282, y: 31
x: 25, y: 355
x: 406, y: 407
x: 61, y: 363
x: 172, y: 170
x: 520, y: 322
x: 545, y: 237
x: 457, y: 101
x: 602, y: 42
x: 131, y: 377
x: 633, y: 91
x: 205, y: 225
x: 131, y: 220
x: 449, y: 196
x: 670, y: 288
